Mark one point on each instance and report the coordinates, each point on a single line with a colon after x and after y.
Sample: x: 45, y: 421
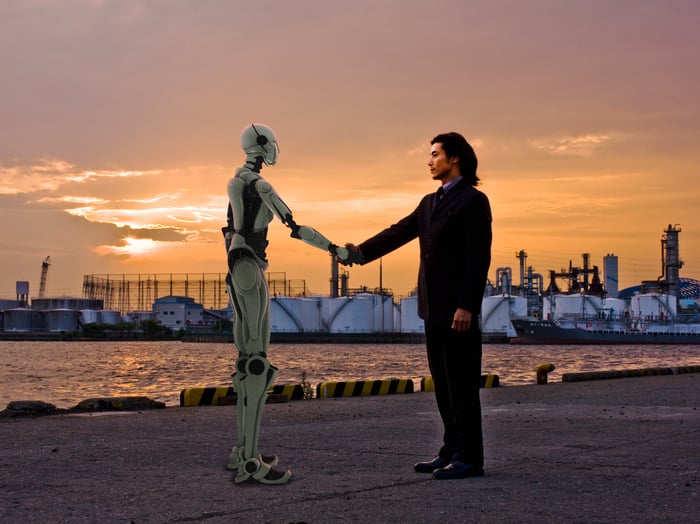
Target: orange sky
x: 120, y: 123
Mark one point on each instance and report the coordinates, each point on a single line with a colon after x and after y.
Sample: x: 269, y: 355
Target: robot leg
x: 252, y: 381
x: 254, y: 374
x: 251, y: 301
x: 238, y: 457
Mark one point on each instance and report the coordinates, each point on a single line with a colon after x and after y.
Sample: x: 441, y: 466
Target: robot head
x: 260, y: 140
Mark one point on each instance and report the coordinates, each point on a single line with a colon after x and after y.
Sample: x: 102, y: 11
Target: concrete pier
x: 623, y: 450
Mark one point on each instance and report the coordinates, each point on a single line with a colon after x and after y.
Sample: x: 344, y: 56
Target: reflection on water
x: 64, y: 373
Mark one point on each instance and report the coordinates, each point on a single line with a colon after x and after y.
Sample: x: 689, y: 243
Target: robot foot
x: 261, y: 472
x: 235, y: 460
x: 275, y: 476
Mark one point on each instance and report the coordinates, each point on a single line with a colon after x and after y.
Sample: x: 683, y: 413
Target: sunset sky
x: 120, y: 124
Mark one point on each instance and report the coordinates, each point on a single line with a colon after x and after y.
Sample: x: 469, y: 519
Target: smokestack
x: 671, y: 260
x: 334, y: 277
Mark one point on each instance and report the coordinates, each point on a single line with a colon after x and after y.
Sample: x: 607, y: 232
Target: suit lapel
x: 444, y: 204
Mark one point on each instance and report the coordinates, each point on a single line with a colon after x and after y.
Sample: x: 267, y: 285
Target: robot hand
x: 289, y: 222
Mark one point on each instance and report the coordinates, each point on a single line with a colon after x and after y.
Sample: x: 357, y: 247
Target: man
x: 454, y: 230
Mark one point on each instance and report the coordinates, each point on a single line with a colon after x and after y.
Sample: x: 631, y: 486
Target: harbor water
x: 65, y: 373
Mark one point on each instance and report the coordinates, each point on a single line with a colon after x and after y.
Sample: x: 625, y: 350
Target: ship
x: 603, y: 332
x: 661, y: 311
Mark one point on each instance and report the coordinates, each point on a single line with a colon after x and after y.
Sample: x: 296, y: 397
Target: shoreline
x: 275, y: 338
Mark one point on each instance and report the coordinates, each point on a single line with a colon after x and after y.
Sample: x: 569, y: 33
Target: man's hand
x: 354, y: 255
x: 462, y: 320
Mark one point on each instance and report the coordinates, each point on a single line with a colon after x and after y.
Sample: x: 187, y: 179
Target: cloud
x: 131, y: 247
x: 40, y: 176
x: 581, y: 145
x: 52, y: 174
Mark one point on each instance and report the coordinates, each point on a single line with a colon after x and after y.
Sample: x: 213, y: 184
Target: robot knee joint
x: 256, y: 365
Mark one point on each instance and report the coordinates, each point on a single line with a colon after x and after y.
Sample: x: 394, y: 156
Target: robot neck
x: 254, y: 163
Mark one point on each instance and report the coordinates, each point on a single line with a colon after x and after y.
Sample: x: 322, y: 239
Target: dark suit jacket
x: 455, y: 250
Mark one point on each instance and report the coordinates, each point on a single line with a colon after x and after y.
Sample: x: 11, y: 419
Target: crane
x: 44, y: 272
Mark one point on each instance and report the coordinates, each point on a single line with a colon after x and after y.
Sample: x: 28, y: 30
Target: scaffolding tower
x: 137, y: 292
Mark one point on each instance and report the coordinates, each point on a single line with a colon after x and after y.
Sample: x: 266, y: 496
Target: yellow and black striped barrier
x: 487, y: 381
x: 206, y: 396
x: 220, y: 396
x: 361, y: 388
x: 291, y: 391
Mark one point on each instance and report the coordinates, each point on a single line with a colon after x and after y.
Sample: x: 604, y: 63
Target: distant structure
x: 610, y: 274
x: 22, y: 289
x: 44, y: 273
x: 138, y: 292
x: 669, y: 282
x: 178, y: 312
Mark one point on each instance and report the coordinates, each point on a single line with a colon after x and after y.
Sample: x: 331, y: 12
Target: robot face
x: 260, y: 140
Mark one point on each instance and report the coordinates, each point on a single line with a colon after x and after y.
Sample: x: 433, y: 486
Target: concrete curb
x: 623, y: 373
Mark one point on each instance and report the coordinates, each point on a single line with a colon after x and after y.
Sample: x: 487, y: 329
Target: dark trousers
x: 454, y: 360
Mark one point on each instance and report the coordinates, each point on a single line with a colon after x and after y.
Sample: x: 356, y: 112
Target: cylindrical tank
x: 383, y: 308
x: 497, y: 310
x: 652, y: 306
x: 110, y: 317
x: 575, y: 306
x: 613, y: 308
x: 19, y: 319
x: 89, y: 316
x: 295, y: 315
x: 410, y: 321
x: 62, y: 319
x: 353, y: 314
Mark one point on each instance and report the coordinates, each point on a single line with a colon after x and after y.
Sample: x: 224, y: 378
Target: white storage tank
x: 573, y: 306
x: 652, y: 306
x: 20, y: 319
x: 62, y: 319
x: 110, y: 317
x: 353, y: 314
x: 613, y: 308
x: 497, y: 310
x: 410, y: 321
x: 383, y: 308
x: 89, y: 316
x: 295, y: 315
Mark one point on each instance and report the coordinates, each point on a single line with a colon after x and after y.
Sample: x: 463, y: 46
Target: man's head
x: 457, y: 152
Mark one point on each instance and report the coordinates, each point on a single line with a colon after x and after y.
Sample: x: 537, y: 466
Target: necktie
x: 438, y: 196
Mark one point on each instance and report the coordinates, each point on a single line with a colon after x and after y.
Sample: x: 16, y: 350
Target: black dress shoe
x: 429, y: 467
x: 458, y: 470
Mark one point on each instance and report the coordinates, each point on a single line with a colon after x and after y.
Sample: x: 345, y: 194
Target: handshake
x: 348, y: 255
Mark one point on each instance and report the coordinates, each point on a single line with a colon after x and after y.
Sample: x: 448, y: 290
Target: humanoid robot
x: 253, y: 203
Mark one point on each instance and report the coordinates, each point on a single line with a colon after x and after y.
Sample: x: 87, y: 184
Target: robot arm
x: 304, y: 233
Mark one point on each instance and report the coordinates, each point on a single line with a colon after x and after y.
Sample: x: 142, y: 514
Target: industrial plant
x: 197, y: 302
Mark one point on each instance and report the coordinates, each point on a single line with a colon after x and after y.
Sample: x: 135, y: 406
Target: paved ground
x: 624, y: 450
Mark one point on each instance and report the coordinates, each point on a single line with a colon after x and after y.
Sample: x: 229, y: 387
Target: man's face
x: 441, y: 167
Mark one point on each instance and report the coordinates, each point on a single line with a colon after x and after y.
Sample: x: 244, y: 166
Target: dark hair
x: 455, y: 145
